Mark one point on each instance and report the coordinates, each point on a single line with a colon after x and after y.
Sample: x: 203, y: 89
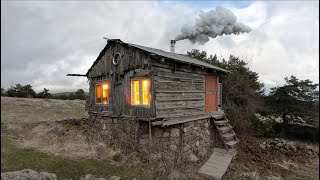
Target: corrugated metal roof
x: 179, y: 57
x: 169, y: 55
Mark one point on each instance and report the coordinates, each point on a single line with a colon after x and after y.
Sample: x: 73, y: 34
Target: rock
x: 115, y: 178
x: 47, y: 176
x: 207, y: 132
x: 206, y: 125
x: 175, y: 132
x: 273, y: 178
x: 114, y: 120
x: 186, y: 147
x: 197, y: 143
x: 193, y: 158
x: 185, y: 130
x: 232, y: 167
x: 157, y: 132
x: 144, y: 141
x: 165, y: 134
x: 263, y: 146
x: 249, y: 176
x: 90, y: 177
x: 268, y: 146
x: 173, y: 147
x: 26, y: 174
x: 279, y: 145
x: 101, y: 179
x: 292, y: 146
x: 134, y: 179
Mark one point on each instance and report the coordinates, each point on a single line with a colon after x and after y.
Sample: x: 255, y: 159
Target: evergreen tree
x: 297, y: 98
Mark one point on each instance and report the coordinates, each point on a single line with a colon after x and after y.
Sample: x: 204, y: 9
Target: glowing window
x: 140, y: 92
x: 102, y: 93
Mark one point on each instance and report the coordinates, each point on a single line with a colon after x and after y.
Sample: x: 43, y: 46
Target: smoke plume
x: 214, y: 23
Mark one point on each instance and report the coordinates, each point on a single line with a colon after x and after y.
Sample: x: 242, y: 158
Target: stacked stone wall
x: 191, y: 141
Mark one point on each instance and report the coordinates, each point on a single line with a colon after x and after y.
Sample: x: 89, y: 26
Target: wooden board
x: 217, y: 164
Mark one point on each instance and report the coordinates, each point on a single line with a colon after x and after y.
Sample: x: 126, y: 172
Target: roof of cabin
x: 170, y: 55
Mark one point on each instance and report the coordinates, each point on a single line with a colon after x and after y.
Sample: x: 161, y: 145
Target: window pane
x: 105, y: 92
x: 145, y: 84
x: 136, y: 98
x: 136, y: 86
x: 98, y: 93
x: 145, y: 98
x: 136, y: 95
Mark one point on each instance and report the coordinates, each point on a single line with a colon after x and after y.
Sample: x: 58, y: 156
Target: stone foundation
x: 190, y: 141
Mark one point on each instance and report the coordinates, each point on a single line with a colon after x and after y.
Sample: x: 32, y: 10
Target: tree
x: 44, y: 94
x: 3, y: 92
x: 21, y: 91
x: 80, y: 94
x: 296, y: 97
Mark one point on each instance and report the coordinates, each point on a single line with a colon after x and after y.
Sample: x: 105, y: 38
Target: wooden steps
x: 228, y: 136
x: 226, y: 132
x: 217, y: 164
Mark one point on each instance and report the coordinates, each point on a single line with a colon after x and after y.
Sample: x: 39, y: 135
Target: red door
x: 211, y: 93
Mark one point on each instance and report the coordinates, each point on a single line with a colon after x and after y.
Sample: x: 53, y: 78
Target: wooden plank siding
x: 178, y: 93
x: 119, y: 78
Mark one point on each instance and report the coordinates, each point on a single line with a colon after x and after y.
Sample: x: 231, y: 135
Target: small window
x: 102, y: 93
x: 140, y: 92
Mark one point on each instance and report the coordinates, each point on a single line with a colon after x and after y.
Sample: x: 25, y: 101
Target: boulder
x: 273, y: 178
x: 250, y: 176
x: 26, y: 174
x: 47, y: 176
x: 90, y: 177
x: 115, y: 178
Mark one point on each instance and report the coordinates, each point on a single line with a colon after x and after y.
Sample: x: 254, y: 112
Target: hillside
x: 66, y: 93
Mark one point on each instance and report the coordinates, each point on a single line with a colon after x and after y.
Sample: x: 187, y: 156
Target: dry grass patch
x: 53, y: 138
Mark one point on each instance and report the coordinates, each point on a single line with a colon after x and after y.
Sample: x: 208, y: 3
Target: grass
x: 14, y: 158
x: 19, y: 117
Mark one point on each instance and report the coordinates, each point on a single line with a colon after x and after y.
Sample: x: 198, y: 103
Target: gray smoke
x: 214, y: 23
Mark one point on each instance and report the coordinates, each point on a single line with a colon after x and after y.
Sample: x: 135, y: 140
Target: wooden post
x: 137, y: 136
x: 150, y: 137
x: 181, y: 143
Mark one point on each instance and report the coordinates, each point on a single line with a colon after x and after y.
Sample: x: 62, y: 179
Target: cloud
x: 41, y: 42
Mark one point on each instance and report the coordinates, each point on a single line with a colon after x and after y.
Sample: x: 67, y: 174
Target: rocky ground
x: 29, y: 174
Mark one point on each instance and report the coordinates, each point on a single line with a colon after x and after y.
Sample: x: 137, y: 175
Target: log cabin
x: 151, y: 98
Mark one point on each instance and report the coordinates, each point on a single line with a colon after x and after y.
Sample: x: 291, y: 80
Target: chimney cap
x: 173, y: 41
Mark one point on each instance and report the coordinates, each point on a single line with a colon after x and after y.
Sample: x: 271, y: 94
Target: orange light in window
x: 105, y: 92
x: 145, y: 92
x: 140, y: 94
x: 98, y: 93
x: 136, y: 94
x: 105, y: 86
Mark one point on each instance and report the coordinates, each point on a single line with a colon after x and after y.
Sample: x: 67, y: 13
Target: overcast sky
x: 41, y: 42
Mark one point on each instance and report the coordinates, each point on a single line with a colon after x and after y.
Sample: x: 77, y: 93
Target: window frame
x: 100, y: 83
x: 140, y: 80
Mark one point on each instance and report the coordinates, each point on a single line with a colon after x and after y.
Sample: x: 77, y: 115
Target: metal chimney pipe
x: 172, y: 46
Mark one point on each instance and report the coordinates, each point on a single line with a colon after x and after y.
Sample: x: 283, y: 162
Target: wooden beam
x: 76, y: 75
